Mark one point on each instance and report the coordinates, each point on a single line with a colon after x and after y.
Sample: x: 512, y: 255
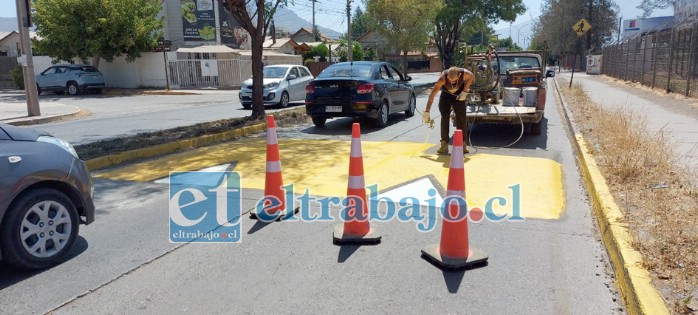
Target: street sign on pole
x: 581, y: 27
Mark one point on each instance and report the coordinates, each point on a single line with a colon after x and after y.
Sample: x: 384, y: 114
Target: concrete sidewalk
x: 674, y: 113
x: 17, y: 113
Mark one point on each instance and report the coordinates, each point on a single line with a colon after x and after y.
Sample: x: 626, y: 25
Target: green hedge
x: 18, y: 76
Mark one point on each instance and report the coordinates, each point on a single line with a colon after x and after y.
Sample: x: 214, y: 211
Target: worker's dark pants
x: 446, y: 101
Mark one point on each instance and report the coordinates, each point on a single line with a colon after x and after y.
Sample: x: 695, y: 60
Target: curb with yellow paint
x: 634, y: 281
x: 176, y: 146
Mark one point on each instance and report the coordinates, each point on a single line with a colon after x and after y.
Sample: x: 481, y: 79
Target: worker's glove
x: 461, y: 97
x: 426, y: 118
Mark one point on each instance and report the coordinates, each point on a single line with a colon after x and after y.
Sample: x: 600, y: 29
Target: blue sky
x: 332, y: 14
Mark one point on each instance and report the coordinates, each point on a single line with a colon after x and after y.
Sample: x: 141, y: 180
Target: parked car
x: 549, y: 72
x: 359, y: 89
x: 282, y: 84
x: 70, y: 78
x: 45, y: 192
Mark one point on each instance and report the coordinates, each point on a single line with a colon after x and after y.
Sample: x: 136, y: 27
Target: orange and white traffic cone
x: 454, y: 251
x: 356, y: 228
x: 273, y: 180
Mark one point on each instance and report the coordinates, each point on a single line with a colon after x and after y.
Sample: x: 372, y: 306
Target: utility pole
x: 620, y: 27
x: 350, y: 48
x: 24, y: 22
x: 314, y: 27
x: 591, y: 3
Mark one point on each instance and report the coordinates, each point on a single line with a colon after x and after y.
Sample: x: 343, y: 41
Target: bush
x: 18, y: 76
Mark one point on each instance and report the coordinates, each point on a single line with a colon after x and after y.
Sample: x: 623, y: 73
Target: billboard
x: 638, y: 26
x: 198, y: 20
x: 232, y: 34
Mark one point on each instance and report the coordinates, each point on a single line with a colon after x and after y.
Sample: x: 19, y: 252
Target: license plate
x: 333, y: 109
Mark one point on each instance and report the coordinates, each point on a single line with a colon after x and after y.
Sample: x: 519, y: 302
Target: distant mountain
x: 8, y: 24
x: 289, y: 21
x: 286, y: 20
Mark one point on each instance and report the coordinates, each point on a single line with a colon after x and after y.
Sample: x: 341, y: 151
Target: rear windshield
x: 84, y: 68
x: 347, y: 70
x: 516, y: 63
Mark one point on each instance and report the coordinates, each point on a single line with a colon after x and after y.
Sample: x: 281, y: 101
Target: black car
x: 45, y: 193
x: 359, y: 89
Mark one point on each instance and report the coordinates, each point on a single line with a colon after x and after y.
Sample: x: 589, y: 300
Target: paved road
x: 111, y: 116
x: 124, y: 263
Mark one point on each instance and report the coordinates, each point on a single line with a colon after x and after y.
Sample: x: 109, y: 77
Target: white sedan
x: 282, y: 84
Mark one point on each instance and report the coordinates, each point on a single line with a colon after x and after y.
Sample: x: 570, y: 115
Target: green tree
x: 647, y: 6
x: 405, y: 24
x: 508, y: 44
x: 357, y: 51
x: 321, y: 50
x: 456, y: 14
x: 361, y: 23
x: 554, y: 26
x: 254, y: 16
x: 97, y: 29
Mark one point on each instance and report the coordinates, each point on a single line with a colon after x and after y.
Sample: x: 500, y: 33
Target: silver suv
x: 70, y: 78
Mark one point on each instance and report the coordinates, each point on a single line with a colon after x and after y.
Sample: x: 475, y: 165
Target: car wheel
x: 319, y: 121
x: 382, y: 119
x: 39, y: 229
x: 284, y: 100
x: 38, y: 89
x: 73, y: 88
x: 412, y: 107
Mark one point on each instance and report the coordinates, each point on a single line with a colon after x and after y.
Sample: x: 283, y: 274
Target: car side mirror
x: 408, y: 78
x: 292, y: 77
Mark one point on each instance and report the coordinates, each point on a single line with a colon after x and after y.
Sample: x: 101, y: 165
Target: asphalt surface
x: 123, y: 263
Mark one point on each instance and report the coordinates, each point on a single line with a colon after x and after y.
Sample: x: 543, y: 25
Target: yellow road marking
x: 322, y: 167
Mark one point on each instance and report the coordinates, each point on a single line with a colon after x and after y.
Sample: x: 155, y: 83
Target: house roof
x: 219, y: 49
x: 269, y: 43
x: 265, y: 53
x: 364, y: 35
x: 5, y: 35
x: 305, y: 30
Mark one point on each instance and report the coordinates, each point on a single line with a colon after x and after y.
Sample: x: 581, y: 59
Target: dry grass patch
x: 654, y: 189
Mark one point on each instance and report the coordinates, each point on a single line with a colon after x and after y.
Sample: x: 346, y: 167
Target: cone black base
x: 432, y: 254
x: 339, y: 238
x: 253, y: 215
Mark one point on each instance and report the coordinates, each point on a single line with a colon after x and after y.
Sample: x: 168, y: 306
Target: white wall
x: 147, y: 71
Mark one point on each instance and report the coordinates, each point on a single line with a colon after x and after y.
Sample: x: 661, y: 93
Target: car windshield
x: 516, y: 63
x: 347, y: 70
x: 274, y: 72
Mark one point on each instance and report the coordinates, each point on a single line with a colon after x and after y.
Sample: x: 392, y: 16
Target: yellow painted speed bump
x: 533, y: 185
